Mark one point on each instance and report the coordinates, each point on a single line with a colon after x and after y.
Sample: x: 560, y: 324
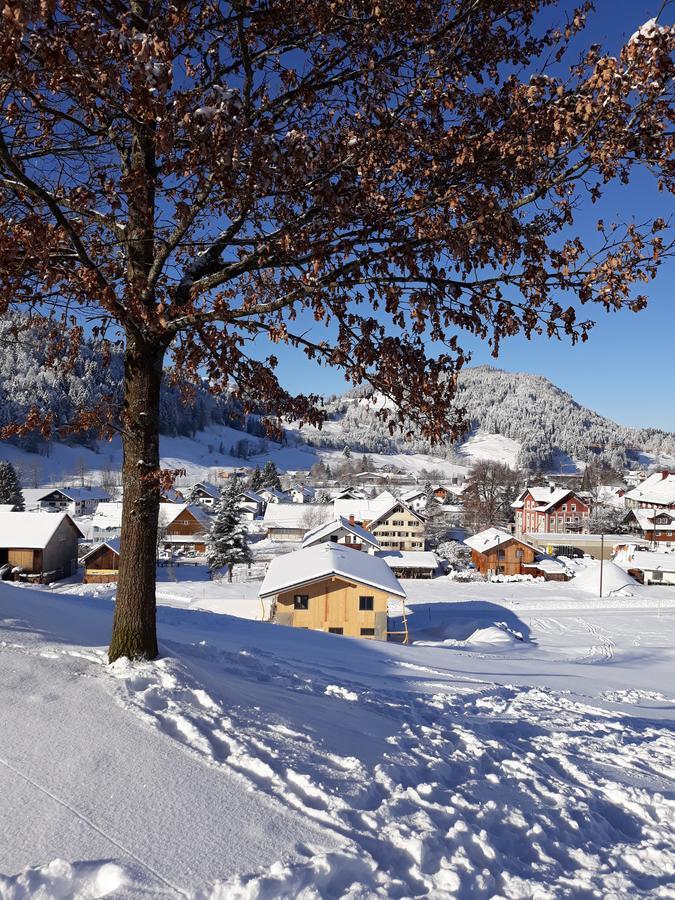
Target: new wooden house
x: 331, y: 588
x: 40, y: 546
x: 102, y: 563
x: 495, y: 552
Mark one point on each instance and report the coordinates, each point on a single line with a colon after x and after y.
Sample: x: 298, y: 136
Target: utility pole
x: 602, y: 559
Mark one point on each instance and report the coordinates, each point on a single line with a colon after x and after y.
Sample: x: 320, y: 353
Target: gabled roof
x: 316, y: 535
x: 487, y: 540
x: 305, y: 489
x: 390, y: 508
x: 109, y: 515
x: 657, y: 488
x: 30, y: 530
x: 295, y: 515
x: 273, y: 492
x: 322, y: 560
x: 208, y: 488
x: 77, y: 494
x: 253, y: 496
x: 645, y: 518
x: 112, y: 544
x: 544, y: 497
x: 409, y: 559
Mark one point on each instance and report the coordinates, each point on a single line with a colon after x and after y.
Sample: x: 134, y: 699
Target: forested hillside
x: 27, y: 381
x: 543, y: 419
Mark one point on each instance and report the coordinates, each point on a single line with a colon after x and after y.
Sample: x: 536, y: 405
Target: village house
x: 102, y: 562
x: 302, y: 493
x: 550, y: 509
x: 342, y: 531
x: 656, y: 524
x: 206, y: 494
x: 182, y: 527
x: 393, y: 523
x: 273, y: 495
x: 655, y: 492
x: 291, y: 521
x: 77, y: 501
x: 349, y: 494
x: 647, y: 566
x: 32, y: 544
x: 251, y: 505
x: 416, y: 499
x: 331, y: 588
x: 410, y: 563
x: 495, y: 552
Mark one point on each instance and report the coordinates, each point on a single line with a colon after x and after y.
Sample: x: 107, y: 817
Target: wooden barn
x: 329, y: 587
x: 102, y: 563
x: 38, y: 545
x: 495, y: 552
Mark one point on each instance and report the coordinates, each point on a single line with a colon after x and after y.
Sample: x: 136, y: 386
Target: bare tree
x: 490, y: 490
x: 186, y: 178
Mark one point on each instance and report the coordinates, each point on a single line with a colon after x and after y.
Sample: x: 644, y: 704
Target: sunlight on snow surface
x: 257, y: 761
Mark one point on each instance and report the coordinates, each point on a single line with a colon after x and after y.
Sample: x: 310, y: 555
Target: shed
x: 35, y: 544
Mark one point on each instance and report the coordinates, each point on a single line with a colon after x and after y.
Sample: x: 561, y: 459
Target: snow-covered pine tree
x: 257, y: 480
x: 226, y: 544
x: 10, y: 486
x: 271, y: 476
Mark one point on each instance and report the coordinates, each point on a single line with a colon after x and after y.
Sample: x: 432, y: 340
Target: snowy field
x: 523, y: 747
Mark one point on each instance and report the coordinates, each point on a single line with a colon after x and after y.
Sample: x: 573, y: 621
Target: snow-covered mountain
x: 518, y: 418
x: 521, y: 419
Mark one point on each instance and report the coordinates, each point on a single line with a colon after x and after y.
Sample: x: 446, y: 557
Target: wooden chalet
x: 38, y: 546
x: 331, y: 588
x: 102, y: 563
x: 495, y: 552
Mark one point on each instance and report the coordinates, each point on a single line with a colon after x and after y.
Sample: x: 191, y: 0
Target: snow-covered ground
x: 523, y: 747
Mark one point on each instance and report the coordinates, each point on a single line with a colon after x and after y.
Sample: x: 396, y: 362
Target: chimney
x: 664, y: 474
x: 351, y: 519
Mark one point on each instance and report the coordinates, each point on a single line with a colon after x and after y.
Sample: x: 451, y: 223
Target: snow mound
x: 614, y: 580
x: 491, y: 635
x: 61, y: 880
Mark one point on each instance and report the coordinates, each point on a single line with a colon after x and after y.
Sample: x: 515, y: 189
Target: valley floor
x: 522, y: 747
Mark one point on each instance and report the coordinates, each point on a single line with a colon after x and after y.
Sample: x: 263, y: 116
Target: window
x: 335, y: 630
x: 301, y: 601
x: 573, y: 507
x: 367, y: 632
x: 366, y: 604
x: 519, y: 554
x: 501, y: 554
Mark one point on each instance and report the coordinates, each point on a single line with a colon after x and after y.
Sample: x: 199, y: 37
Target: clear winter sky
x: 625, y: 371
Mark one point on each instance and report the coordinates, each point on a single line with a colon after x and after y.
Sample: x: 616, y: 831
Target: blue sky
x: 625, y: 370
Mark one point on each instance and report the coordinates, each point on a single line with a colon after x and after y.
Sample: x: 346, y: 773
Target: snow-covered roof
x: 646, y: 560
x: 253, y: 496
x: 78, y: 494
x: 6, y: 507
x: 30, y: 530
x: 317, y: 535
x: 548, y: 564
x: 295, y: 515
x: 313, y: 563
x: 273, y: 492
x: 112, y: 543
x: 645, y: 518
x: 659, y: 488
x: 544, y: 496
x: 208, y: 488
x: 412, y: 495
x: 388, y: 509
x: 409, y: 559
x: 491, y: 538
x: 305, y: 489
x: 360, y: 509
x: 109, y: 515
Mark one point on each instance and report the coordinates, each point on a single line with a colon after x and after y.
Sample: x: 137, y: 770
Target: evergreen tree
x: 257, y: 479
x: 10, y: 486
x: 226, y: 543
x: 270, y: 476
x: 346, y: 452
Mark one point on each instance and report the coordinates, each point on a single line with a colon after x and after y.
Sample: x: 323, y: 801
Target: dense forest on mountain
x: 545, y: 420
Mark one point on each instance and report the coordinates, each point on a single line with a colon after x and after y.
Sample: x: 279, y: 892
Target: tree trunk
x: 134, y: 629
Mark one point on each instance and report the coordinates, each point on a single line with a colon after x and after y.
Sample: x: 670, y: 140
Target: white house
x: 302, y: 493
x: 251, y: 505
x: 272, y: 495
x: 77, y: 501
x: 342, y: 531
x: 206, y: 494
